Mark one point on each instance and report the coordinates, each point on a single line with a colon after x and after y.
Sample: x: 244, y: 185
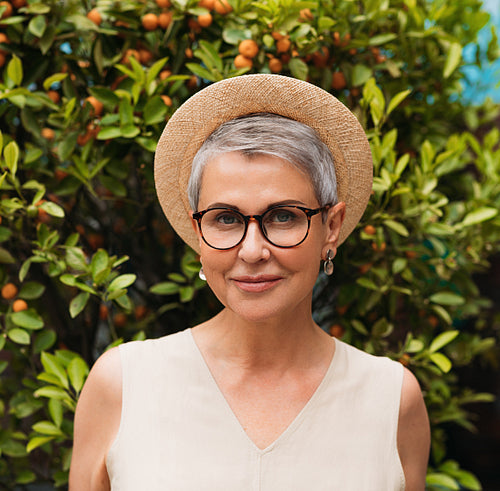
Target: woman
x: 264, y: 176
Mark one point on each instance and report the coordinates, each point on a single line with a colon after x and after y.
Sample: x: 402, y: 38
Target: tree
x: 87, y: 259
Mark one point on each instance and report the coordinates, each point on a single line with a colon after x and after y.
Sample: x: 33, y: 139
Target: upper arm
x: 97, y: 419
x: 413, y: 433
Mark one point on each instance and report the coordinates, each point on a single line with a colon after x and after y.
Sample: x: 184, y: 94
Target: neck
x: 264, y: 345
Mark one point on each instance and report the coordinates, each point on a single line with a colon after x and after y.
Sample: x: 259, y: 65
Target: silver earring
x: 201, y: 274
x: 328, y: 264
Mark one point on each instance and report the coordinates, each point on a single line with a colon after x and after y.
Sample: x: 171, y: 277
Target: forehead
x: 260, y: 179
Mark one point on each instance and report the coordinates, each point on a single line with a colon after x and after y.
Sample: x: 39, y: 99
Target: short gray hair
x: 269, y: 134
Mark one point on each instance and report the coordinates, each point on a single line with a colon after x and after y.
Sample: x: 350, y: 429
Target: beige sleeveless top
x: 178, y: 433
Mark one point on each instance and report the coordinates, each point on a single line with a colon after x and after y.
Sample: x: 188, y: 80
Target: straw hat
x: 205, y: 111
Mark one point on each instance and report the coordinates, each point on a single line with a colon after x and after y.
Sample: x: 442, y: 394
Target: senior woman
x: 264, y: 176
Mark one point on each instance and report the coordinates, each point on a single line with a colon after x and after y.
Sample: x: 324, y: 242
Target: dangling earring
x: 201, y: 274
x: 328, y: 264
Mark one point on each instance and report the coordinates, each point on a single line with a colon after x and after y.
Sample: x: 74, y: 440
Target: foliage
x: 84, y: 96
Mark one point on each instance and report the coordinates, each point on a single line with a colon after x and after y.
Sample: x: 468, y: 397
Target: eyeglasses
x: 282, y: 226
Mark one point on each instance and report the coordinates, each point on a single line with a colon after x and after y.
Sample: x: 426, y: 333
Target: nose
x: 254, y: 246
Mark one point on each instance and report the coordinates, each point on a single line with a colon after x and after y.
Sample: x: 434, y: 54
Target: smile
x: 256, y: 284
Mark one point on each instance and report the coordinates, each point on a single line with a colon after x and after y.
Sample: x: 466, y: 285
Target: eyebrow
x: 285, y: 202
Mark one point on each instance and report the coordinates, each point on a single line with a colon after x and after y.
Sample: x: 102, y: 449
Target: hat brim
x: 205, y: 111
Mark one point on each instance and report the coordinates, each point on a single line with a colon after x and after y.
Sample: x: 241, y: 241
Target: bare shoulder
x: 413, y: 433
x: 97, y: 420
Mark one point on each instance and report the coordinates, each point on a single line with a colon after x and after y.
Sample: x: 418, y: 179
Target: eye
x: 281, y: 216
x: 228, y: 218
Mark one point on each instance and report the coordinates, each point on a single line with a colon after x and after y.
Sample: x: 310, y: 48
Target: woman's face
x: 257, y: 280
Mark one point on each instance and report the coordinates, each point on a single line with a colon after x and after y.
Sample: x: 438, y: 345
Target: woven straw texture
x: 200, y: 115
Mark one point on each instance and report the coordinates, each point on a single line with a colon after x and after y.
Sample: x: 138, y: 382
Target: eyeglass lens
x: 283, y: 226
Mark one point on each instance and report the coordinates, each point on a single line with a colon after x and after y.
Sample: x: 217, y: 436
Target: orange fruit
x: 283, y: 45
x: 54, y: 96
x: 95, y: 17
x: 338, y: 81
x: 379, y: 248
x: 145, y: 56
x: 96, y: 104
x: 2, y: 59
x: 207, y: 4
x: 369, y: 230
x: 103, y: 312
x: 306, y: 14
x: 336, y: 38
x: 166, y: 100
x: 204, y: 20
x: 149, y: 22
x: 248, y: 48
x: 120, y: 319
x: 19, y: 305
x: 8, y: 9
x: 411, y: 254
x: 165, y: 74
x: 188, y: 52
x: 164, y: 19
x: 337, y: 330
x: 140, y: 311
x: 241, y: 61
x: 3, y: 39
x: 18, y: 3
x: 192, y: 83
x: 163, y: 4
x: 48, y: 133
x: 275, y: 65
x: 355, y: 91
x: 194, y: 26
x: 277, y: 35
x: 320, y: 58
x: 222, y: 7
x: 9, y: 291
x: 364, y: 268
x: 128, y: 54
x: 405, y: 360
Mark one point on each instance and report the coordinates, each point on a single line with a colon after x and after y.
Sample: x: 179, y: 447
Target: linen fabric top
x: 177, y: 431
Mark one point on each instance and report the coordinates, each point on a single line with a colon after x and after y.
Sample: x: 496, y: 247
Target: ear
x: 334, y: 221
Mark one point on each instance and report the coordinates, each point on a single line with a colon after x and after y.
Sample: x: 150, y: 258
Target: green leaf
x: 186, y: 293
x: 67, y: 145
x: 76, y: 259
x: 202, y: 72
x: 99, y: 265
x: 447, y: 298
x: 480, y: 215
x: 453, y: 58
x: 37, y: 26
x: 15, y: 70
x: 360, y: 75
x: 47, y: 428
x: 367, y: 283
x: 38, y: 441
x: 397, y: 227
x: 31, y: 290
x: 298, y: 68
x: 29, y: 319
x: 439, y: 479
x: 441, y: 361
x: 154, y: 111
x: 382, y: 39
x: 415, y: 346
x: 113, y: 184
x: 442, y: 340
x: 52, y: 392
x: 6, y: 257
x: 44, y: 340
x: 19, y: 336
x: 78, y: 303
x: 122, y: 281
x: 56, y: 411
x: 77, y: 371
x: 52, y: 209
x: 54, y: 367
x: 165, y: 288
x: 11, y: 156
x: 57, y: 77
x: 109, y: 132
x: 397, y: 100
x: 105, y: 95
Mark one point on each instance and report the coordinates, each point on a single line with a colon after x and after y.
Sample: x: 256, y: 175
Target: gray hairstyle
x: 269, y: 134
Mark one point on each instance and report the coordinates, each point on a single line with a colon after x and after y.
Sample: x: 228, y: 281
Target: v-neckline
x: 294, y: 424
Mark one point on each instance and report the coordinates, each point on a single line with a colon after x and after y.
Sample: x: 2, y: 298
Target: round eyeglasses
x: 282, y: 226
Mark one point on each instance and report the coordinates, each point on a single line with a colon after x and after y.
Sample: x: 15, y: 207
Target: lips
x: 257, y: 283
